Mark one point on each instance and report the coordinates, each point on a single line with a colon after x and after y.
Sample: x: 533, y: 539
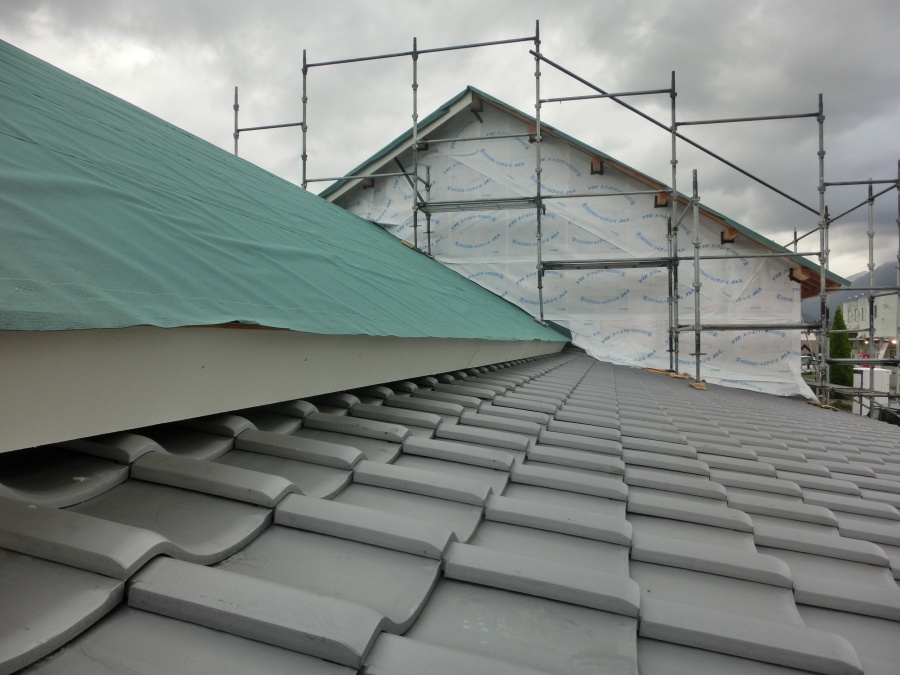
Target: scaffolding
x: 422, y: 204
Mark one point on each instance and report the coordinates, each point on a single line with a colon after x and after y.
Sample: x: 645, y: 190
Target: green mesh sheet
x: 112, y: 217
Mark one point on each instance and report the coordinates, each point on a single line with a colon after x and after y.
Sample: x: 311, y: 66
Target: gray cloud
x: 181, y: 60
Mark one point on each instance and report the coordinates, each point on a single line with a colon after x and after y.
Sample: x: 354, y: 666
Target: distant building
x: 856, y: 315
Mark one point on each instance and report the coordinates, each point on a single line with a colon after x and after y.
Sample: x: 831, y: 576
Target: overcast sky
x: 182, y: 59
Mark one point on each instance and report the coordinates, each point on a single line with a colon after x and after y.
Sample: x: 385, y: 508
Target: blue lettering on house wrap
x: 642, y: 331
x: 605, y: 301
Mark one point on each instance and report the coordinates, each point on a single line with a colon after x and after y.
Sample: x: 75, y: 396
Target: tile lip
x: 543, y: 578
x: 330, y: 628
x: 363, y: 525
x: 561, y: 519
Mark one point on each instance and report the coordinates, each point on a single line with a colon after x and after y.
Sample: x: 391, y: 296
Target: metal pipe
x: 748, y: 326
x: 663, y: 262
x: 897, y: 335
x: 695, y: 200
x: 853, y: 289
x: 871, y: 234
x: 537, y: 168
x: 824, y: 374
x: 474, y: 138
x: 672, y: 236
x: 272, y: 126
x: 433, y: 50
x: 681, y: 136
x: 891, y: 181
x: 594, y: 96
x: 428, y: 199
x: 237, y: 131
x: 304, y: 99
x: 762, y: 118
x: 357, y: 177
x: 415, y: 134
x: 581, y: 195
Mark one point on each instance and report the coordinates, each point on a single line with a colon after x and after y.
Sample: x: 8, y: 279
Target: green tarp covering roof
x: 112, y: 217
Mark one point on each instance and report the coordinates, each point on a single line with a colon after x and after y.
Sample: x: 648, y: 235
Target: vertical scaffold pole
x: 537, y: 167
x: 695, y: 207
x: 897, y: 336
x: 303, y: 100
x: 871, y: 349
x: 672, y: 236
x: 236, y: 132
x: 824, y: 367
x: 428, y: 200
x: 415, y: 145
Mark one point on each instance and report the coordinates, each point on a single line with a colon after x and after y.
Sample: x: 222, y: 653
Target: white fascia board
x: 401, y: 147
x: 63, y: 385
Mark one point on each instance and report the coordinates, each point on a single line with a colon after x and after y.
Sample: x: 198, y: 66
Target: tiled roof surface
x: 557, y: 515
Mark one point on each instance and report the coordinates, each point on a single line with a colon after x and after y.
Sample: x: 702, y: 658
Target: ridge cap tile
x: 364, y: 525
x: 299, y: 449
x: 78, y: 540
x: 212, y: 478
x: 782, y: 644
x: 561, y: 519
x: 422, y: 482
x: 330, y: 628
x: 356, y: 426
x: 543, y: 578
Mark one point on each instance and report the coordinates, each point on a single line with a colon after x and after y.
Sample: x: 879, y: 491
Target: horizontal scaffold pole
x: 433, y: 50
x: 749, y: 326
x: 645, y: 92
x: 864, y: 202
x: 761, y: 118
x: 272, y: 126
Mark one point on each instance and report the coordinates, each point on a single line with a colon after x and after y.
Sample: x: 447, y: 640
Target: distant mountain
x: 885, y: 275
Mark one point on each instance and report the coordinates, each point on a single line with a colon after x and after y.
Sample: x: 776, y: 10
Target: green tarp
x: 112, y: 217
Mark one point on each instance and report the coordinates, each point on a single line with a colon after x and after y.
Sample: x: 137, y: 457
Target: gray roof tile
x: 673, y: 481
x: 577, y: 442
x: 481, y: 436
x: 299, y: 449
x: 203, y: 528
x: 275, y: 614
x: 55, y: 477
x: 122, y: 447
x: 34, y: 624
x: 794, y: 646
x: 212, y: 478
x: 78, y: 541
x: 551, y: 580
x: 688, y: 509
x: 559, y: 519
x: 363, y: 525
x: 419, y: 481
x: 315, y: 480
x: 581, y: 459
x: 380, y: 431
x: 559, y: 479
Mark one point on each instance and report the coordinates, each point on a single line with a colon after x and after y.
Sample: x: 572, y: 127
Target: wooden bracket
x: 728, y: 235
x: 476, y: 106
x: 799, y: 274
x: 597, y: 167
x: 368, y: 183
x: 661, y: 200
